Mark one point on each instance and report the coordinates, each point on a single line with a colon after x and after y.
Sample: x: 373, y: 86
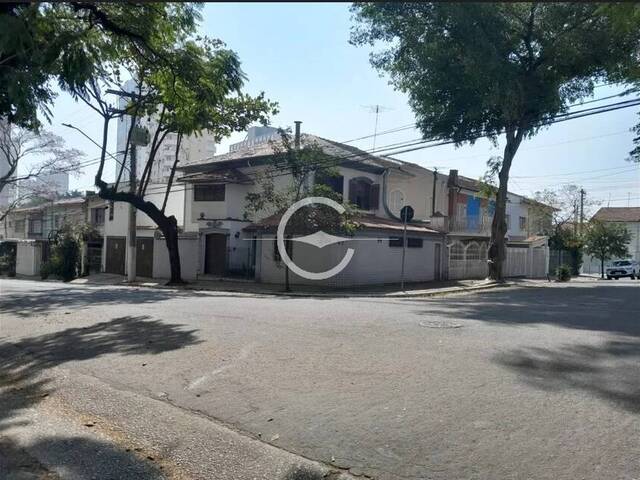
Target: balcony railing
x: 470, y: 224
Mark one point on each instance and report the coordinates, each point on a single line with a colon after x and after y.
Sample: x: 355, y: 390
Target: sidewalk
x: 424, y: 289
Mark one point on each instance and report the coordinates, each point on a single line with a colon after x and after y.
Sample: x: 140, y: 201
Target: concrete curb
x: 407, y: 294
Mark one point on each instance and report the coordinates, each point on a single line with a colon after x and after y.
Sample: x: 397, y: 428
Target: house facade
x: 470, y: 214
x: 231, y: 243
x: 32, y: 229
x: 629, y: 217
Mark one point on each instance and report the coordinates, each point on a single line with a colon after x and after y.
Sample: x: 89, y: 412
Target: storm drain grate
x: 439, y: 324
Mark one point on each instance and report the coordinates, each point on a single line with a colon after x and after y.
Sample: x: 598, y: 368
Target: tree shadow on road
x: 23, y: 382
x: 34, y: 302
x: 603, y: 308
x: 610, y: 371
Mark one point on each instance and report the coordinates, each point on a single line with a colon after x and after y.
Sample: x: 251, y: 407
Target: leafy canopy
x: 607, y: 240
x: 71, y: 42
x: 476, y: 69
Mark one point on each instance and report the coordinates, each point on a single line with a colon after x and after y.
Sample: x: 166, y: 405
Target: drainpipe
x: 433, y: 199
x: 384, y: 196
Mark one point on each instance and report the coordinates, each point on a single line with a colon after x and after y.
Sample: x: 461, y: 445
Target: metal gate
x: 116, y: 251
x: 144, y: 257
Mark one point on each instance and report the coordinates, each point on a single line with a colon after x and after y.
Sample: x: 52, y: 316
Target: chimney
x: 453, y: 178
x: 296, y: 140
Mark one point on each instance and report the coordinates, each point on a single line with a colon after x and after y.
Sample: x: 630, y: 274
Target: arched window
x: 364, y: 193
x: 473, y: 251
x: 456, y: 251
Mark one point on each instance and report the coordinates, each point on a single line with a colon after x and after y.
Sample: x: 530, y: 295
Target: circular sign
x: 406, y: 214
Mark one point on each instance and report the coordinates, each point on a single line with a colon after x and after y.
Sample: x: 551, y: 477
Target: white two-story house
x: 233, y: 244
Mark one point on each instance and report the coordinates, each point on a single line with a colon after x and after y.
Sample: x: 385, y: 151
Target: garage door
x: 144, y: 257
x: 116, y: 251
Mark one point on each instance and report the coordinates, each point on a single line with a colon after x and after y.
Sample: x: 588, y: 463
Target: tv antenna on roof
x: 377, y: 109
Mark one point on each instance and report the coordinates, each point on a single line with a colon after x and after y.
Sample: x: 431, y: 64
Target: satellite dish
x: 406, y: 214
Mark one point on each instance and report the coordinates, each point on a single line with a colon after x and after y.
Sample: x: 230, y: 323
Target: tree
x: 475, y: 70
x: 64, y: 41
x: 310, y: 171
x: 49, y: 155
x: 606, y: 241
x: 189, y: 87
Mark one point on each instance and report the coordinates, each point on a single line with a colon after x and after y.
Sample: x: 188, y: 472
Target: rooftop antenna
x: 377, y: 109
x: 609, y: 201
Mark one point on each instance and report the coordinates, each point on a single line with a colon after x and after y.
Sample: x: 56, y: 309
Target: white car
x: 623, y: 268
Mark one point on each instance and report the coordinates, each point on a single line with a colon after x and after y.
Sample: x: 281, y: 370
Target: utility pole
x: 131, y: 232
x: 582, y: 194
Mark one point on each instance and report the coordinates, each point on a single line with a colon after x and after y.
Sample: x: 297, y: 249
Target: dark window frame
x: 210, y: 192
x: 415, y: 242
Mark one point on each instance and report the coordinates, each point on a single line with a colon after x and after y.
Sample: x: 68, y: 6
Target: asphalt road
x: 527, y: 383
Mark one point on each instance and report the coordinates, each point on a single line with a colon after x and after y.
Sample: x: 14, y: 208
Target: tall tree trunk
x: 498, y: 245
x: 170, y: 232
x: 602, y: 268
x: 168, y: 225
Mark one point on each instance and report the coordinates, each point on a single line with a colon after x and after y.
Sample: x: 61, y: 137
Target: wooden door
x: 144, y: 257
x: 116, y: 251
x: 215, y: 257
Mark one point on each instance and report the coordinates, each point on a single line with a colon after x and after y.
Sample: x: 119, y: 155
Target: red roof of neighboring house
x: 618, y: 214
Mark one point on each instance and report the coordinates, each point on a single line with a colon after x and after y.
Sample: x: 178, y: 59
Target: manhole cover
x: 439, y: 324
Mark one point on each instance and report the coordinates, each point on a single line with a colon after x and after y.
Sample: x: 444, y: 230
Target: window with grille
x: 456, y: 251
x: 523, y: 223
x: 473, y: 251
x: 209, y: 193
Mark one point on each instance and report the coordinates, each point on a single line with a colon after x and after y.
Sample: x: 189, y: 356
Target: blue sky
x: 299, y: 55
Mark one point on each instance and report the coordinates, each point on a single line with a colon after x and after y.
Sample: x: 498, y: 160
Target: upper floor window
x: 507, y: 219
x: 334, y: 182
x: 523, y: 223
x: 35, y: 226
x: 396, y: 201
x: 97, y: 216
x: 19, y: 226
x: 111, y: 212
x: 364, y: 193
x: 209, y: 193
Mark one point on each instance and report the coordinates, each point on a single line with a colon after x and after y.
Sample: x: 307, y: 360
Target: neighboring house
x: 33, y: 228
x: 470, y: 214
x: 627, y: 216
x: 192, y: 148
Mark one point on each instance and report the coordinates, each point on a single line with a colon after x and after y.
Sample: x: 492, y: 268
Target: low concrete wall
x: 28, y: 258
x: 374, y: 262
x: 189, y: 254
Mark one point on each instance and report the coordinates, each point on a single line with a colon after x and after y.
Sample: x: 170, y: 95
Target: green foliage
x: 606, y: 241
x: 71, y: 42
x: 475, y: 69
x: 563, y: 273
x: 8, y: 259
x: 307, y: 166
x: 64, y: 260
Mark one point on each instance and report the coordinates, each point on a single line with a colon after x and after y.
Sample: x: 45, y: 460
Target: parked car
x: 623, y: 268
